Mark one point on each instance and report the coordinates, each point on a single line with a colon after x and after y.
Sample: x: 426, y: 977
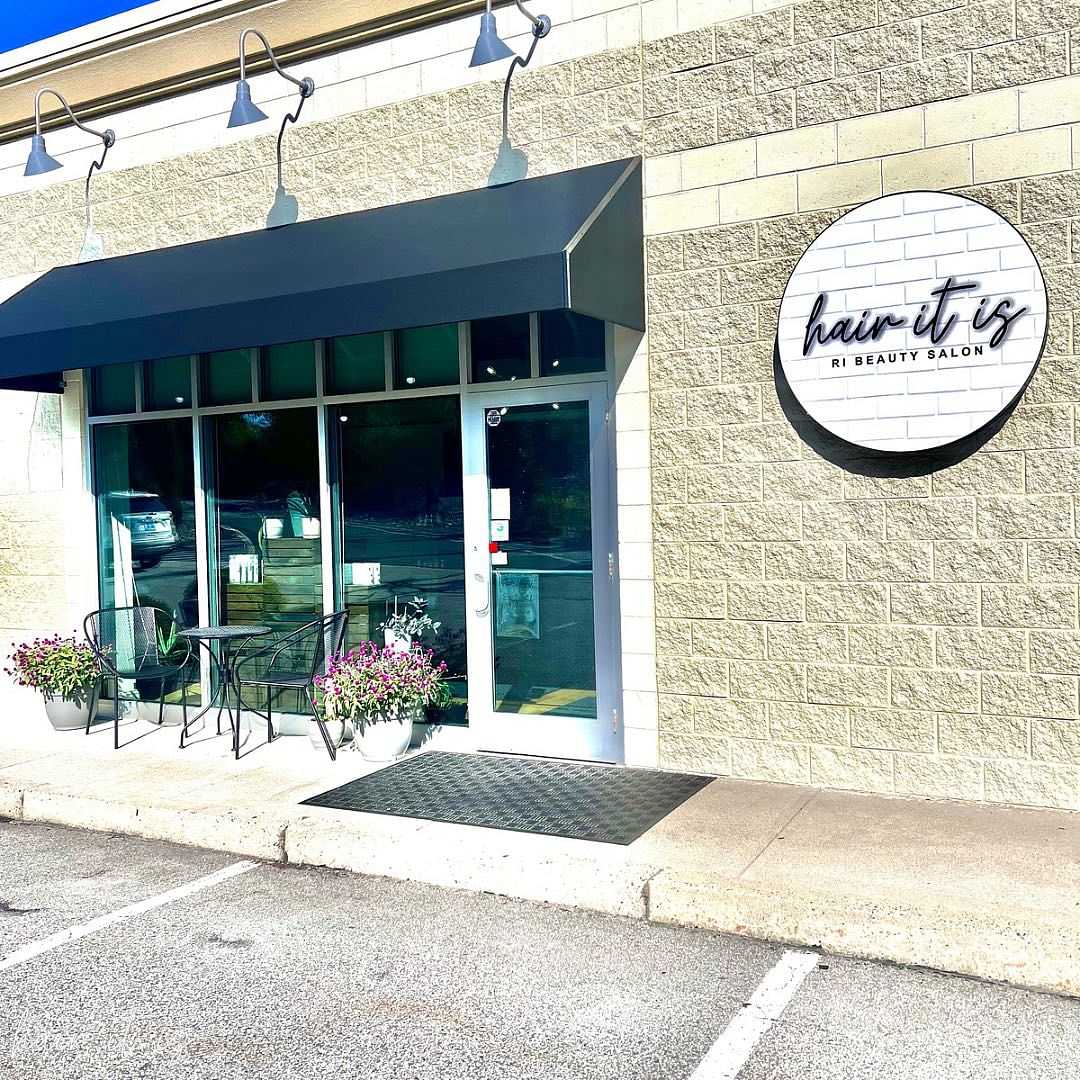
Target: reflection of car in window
x: 148, y: 520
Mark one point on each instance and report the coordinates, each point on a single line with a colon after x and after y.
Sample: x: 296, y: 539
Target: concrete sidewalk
x: 979, y: 890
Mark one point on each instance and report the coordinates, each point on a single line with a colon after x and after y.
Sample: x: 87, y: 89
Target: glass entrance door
x: 540, y: 574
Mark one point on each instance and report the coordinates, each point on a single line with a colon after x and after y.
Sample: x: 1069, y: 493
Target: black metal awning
x: 569, y: 241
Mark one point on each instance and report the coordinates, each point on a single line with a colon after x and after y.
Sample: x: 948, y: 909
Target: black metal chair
x: 128, y: 645
x: 291, y: 663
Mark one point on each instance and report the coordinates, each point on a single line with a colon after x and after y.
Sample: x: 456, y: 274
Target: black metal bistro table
x: 227, y: 637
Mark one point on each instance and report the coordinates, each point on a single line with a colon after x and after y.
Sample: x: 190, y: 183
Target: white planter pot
x: 383, y: 738
x: 335, y: 729
x: 66, y: 715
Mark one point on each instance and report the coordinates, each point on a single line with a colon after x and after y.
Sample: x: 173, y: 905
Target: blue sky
x: 23, y: 22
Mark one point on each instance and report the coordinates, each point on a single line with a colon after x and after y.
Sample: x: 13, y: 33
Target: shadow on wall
x: 867, y: 462
x: 511, y: 165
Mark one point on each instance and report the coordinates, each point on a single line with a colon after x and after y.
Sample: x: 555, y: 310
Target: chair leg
x: 330, y: 748
x: 116, y: 714
x: 92, y: 711
x: 161, y: 702
x: 269, y: 714
x: 183, y: 703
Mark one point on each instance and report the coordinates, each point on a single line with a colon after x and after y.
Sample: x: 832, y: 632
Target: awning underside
x: 571, y: 241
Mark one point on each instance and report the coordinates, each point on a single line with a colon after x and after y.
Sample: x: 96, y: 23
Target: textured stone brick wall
x: 801, y: 623
x: 916, y: 636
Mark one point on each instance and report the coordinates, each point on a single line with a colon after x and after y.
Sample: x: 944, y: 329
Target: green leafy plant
x: 56, y: 666
x: 166, y: 641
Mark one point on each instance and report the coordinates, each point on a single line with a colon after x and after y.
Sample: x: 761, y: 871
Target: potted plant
x: 66, y: 673
x: 406, y: 627
x: 383, y: 692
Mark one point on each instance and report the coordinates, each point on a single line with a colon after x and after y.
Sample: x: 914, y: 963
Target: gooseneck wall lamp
x: 245, y: 111
x: 509, y: 165
x: 39, y: 161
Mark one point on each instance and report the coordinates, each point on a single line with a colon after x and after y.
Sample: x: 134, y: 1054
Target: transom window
x: 503, y: 350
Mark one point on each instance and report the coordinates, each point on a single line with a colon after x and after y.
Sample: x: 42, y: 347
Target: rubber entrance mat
x: 557, y: 798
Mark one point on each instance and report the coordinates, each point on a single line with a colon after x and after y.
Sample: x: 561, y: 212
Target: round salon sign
x: 912, y: 321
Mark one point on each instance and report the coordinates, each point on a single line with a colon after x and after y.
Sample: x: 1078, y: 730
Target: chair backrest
x: 306, y: 648
x: 125, y: 639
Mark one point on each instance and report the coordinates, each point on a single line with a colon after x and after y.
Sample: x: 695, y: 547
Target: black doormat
x: 556, y: 798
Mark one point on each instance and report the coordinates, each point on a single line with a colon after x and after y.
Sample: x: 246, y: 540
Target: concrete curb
x: 1010, y: 945
x: 1014, y: 945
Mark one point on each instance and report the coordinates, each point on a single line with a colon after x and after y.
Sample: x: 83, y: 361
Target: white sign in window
x: 912, y: 321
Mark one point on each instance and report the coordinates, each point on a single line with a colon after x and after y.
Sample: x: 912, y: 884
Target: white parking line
x: 730, y: 1052
x: 73, y: 933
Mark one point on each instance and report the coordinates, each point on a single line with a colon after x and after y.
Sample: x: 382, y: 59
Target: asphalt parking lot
x: 121, y: 957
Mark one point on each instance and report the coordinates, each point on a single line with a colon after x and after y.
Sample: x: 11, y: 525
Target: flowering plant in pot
x: 65, y: 671
x: 383, y: 692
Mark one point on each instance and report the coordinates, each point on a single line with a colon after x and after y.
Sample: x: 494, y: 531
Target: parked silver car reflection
x: 150, y: 522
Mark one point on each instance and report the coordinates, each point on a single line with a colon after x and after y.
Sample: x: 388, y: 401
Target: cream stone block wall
x: 782, y: 619
x: 910, y: 636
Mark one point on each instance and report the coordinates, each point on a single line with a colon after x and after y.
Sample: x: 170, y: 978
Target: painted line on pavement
x: 730, y: 1052
x: 73, y: 933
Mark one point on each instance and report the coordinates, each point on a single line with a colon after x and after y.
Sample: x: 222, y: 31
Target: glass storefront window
x: 226, y: 377
x: 356, y: 364
x: 112, y: 389
x: 264, y: 510
x: 167, y: 383
x: 426, y: 356
x: 144, y: 485
x: 404, y: 538
x: 500, y: 349
x: 570, y: 344
x: 288, y: 371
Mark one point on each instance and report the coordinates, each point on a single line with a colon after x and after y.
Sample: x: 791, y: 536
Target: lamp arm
x: 108, y: 136
x: 514, y: 65
x: 535, y: 20
x: 307, y: 86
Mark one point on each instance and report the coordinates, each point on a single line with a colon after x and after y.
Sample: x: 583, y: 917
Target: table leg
x: 216, y: 697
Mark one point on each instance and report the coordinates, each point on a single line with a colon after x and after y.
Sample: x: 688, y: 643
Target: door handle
x: 481, y: 580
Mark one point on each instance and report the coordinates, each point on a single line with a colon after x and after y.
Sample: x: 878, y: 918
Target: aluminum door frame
x: 545, y: 735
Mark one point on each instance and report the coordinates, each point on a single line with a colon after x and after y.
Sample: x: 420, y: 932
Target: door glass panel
x: 402, y: 521
x: 570, y: 344
x: 226, y: 377
x: 542, y: 594
x: 167, y: 383
x: 426, y: 356
x: 288, y: 371
x: 500, y: 349
x: 144, y: 481
x: 266, y: 528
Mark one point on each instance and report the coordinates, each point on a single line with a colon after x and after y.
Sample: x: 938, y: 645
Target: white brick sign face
x: 912, y: 321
